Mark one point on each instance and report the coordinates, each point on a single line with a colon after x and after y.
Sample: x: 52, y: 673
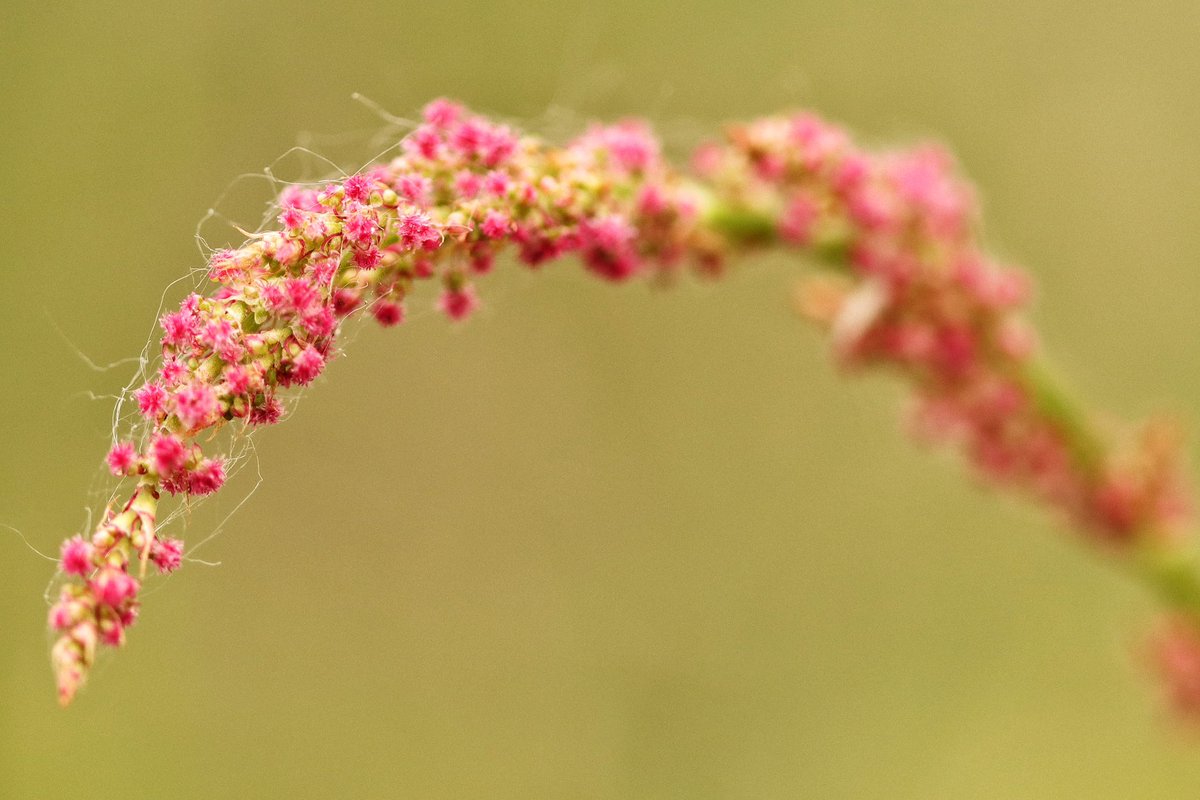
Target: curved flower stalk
x: 907, y: 286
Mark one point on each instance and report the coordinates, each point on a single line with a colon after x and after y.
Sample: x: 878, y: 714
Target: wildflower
x: 495, y: 224
x: 459, y: 303
x: 121, y: 458
x: 387, y: 313
x: 207, y: 478
x: 442, y: 113
x: 417, y: 232
x: 307, y: 366
x: 167, y: 554
x: 195, y: 404
x: 167, y: 454
x: 915, y: 293
x: 416, y: 189
x: 357, y: 188
x: 114, y: 586
x: 360, y: 226
x: 76, y: 556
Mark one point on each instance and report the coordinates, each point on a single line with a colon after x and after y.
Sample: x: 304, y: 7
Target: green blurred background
x: 600, y: 542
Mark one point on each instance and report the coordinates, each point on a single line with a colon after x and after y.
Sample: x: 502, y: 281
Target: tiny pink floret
x: 76, y: 556
x: 458, y: 304
x: 121, y: 458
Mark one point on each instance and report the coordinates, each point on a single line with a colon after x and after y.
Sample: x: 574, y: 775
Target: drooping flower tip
x: 68, y: 660
x: 1175, y: 651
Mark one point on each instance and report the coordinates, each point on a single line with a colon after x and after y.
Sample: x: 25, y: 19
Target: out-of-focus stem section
x: 1167, y: 565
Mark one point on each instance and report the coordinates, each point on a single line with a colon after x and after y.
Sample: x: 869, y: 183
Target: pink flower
x: 368, y: 258
x: 345, y: 301
x: 223, y: 265
x: 307, y: 366
x: 76, y: 556
x: 467, y: 184
x: 387, y: 313
x: 798, y: 219
x: 114, y: 586
x: 498, y: 146
x: 1176, y: 651
x: 496, y: 183
x: 206, y: 478
x: 321, y: 272
x: 291, y: 218
x: 415, y: 189
x: 423, y: 268
x: 178, y: 329
x: 608, y: 247
x: 425, y: 141
x: 321, y: 322
x: 152, y: 401
x: 221, y: 337
x: 266, y: 414
x: 468, y: 137
x: 171, y: 371
x: 195, y: 405
x: 357, y: 188
x: 63, y: 615
x: 360, y: 227
x: 167, y: 554
x: 167, y: 454
x: 241, y: 379
x: 112, y: 631
x: 121, y: 458
x: 458, y: 304
x: 442, y: 113
x: 300, y: 198
x: 630, y: 145
x: 495, y: 224
x: 482, y: 258
x: 417, y: 231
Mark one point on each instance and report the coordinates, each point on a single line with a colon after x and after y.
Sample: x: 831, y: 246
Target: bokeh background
x: 600, y: 542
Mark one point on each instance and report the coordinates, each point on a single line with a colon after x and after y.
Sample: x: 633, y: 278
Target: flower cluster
x: 463, y: 189
x: 911, y: 289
